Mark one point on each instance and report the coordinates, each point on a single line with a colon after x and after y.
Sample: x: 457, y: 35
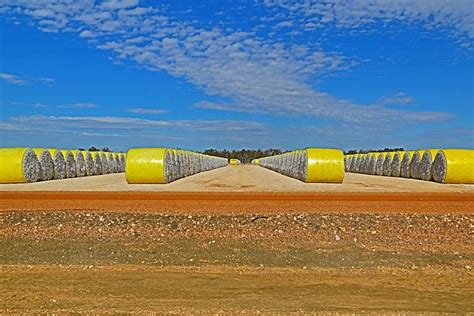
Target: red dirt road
x: 220, y: 202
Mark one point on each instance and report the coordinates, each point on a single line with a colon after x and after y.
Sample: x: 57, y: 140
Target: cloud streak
x: 23, y: 80
x: 147, y: 111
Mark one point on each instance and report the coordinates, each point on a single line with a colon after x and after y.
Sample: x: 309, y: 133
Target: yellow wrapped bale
x: 379, y: 164
x: 415, y: 165
x: 325, y: 165
x: 146, y: 165
x: 425, y: 164
x: 46, y: 164
x: 105, y: 162
x: 97, y: 156
x: 454, y: 166
x: 70, y: 163
x: 117, y: 162
x: 19, y: 165
x: 396, y: 164
x: 80, y: 163
x: 59, y: 163
x: 89, y: 163
x: 234, y: 162
x: 405, y: 165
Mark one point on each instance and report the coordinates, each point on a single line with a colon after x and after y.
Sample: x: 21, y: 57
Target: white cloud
x: 38, y: 105
x: 79, y: 105
x: 12, y: 79
x: 399, y: 98
x: 118, y: 4
x: 23, y: 80
x: 147, y: 111
x: 46, y: 80
x: 284, y: 24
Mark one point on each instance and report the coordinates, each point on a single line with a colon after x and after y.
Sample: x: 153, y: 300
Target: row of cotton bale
x: 316, y: 165
x: 21, y: 165
x: 440, y: 165
x: 165, y: 165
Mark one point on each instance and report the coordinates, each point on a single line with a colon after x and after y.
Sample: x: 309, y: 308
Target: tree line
x: 365, y: 151
x: 244, y: 155
x: 247, y: 155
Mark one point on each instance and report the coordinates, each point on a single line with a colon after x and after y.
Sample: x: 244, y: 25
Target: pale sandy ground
x: 242, y: 178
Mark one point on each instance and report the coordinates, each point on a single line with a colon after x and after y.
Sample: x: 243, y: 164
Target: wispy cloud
x: 12, y: 79
x: 147, y: 111
x: 46, y: 80
x: 39, y: 105
x: 399, y: 98
x: 131, y: 123
x: 23, y: 80
x: 79, y: 105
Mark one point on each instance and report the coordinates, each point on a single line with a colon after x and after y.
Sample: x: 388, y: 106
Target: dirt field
x: 361, y: 250
x: 94, y: 262
x: 242, y: 178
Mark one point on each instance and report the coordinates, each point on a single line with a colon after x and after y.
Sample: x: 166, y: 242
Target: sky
x: 349, y: 74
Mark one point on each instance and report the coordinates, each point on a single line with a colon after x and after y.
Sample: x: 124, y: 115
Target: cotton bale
x: 146, y: 165
x: 80, y: 163
x: 117, y: 162
x: 380, y: 163
x: 59, y: 164
x: 405, y: 165
x: 98, y: 168
x: 105, y: 162
x: 123, y: 160
x: 425, y: 164
x: 324, y: 165
x: 234, y: 162
x: 415, y: 162
x: 89, y: 163
x: 454, y: 166
x: 372, y: 164
x: 396, y: 164
x: 70, y: 163
x: 387, y: 164
x: 46, y: 164
x: 19, y: 165
x: 110, y: 162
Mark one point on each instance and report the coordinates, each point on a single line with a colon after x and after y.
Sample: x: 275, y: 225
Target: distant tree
x: 94, y: 148
x: 365, y: 151
x: 244, y: 155
x: 81, y: 149
x: 106, y: 149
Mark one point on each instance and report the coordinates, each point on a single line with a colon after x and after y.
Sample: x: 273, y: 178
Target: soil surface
x: 102, y: 262
x: 242, y: 178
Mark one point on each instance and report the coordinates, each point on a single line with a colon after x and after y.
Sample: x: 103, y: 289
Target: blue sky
x: 237, y: 74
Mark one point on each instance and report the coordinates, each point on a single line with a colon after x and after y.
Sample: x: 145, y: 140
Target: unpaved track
x: 261, y: 202
x: 242, y: 178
